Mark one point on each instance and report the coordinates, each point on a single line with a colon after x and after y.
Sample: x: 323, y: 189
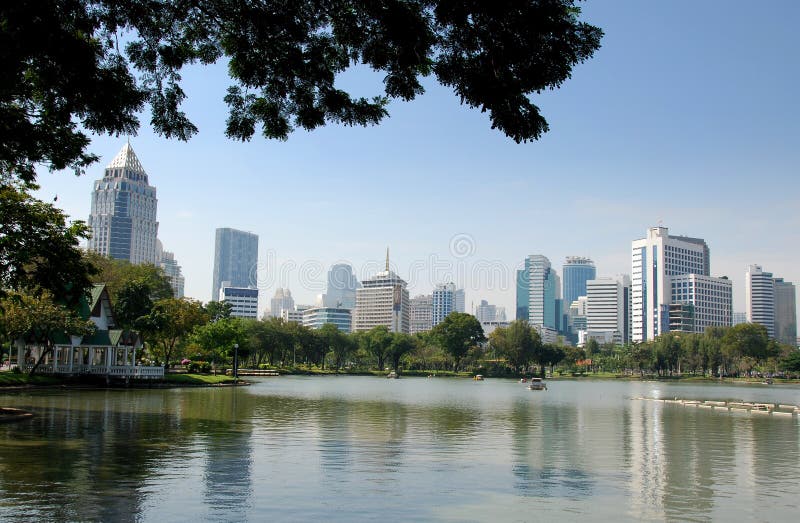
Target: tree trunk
x: 47, y: 350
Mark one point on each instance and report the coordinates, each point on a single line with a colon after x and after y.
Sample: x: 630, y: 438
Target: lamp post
x: 236, y: 362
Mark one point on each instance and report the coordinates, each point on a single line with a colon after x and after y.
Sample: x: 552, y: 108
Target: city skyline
x: 646, y: 109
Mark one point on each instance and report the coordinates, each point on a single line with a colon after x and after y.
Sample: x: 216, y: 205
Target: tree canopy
x: 75, y: 66
x: 39, y: 249
x: 458, y: 333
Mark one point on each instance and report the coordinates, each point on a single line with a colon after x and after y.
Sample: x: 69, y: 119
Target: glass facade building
x: 235, y: 259
x: 316, y: 317
x: 577, y: 271
x: 123, y: 217
x: 342, y: 286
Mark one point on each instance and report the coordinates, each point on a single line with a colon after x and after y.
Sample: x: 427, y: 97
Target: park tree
x: 517, y: 343
x: 458, y: 333
x: 401, y: 345
x: 218, y: 338
x: 39, y: 248
x: 39, y: 320
x: 119, y: 274
x: 134, y: 301
x: 218, y: 310
x: 73, y: 67
x: 745, y: 344
x: 790, y: 362
x: 336, y: 342
x: 172, y: 320
x: 376, y: 342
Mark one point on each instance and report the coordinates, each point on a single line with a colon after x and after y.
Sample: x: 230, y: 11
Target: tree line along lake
x: 363, y: 448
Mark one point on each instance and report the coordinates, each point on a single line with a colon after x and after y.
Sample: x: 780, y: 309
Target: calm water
x: 360, y: 448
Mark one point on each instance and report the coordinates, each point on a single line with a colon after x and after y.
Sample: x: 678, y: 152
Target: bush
x: 202, y: 367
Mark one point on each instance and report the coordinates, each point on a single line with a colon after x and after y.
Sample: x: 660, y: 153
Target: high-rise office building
x: 760, y: 298
x: 382, y: 300
x: 700, y: 301
x: 607, y: 308
x: 577, y: 271
x: 123, y: 218
x: 654, y: 260
x: 243, y: 300
x: 785, y: 312
x: 487, y: 312
x: 523, y: 292
x: 282, y: 301
x: 539, y: 286
x: 446, y: 299
x: 342, y: 285
x: 171, y: 270
x: 421, y: 313
x: 460, y: 301
x: 235, y: 259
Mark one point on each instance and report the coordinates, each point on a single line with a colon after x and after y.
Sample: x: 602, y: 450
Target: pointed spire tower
x: 387, y: 259
x: 123, y: 218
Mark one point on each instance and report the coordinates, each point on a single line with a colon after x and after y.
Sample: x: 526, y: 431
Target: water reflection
x: 357, y: 448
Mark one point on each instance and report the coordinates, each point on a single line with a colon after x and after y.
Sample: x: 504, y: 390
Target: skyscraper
x: 382, y: 300
x: 123, y: 218
x: 235, y: 260
x: 577, y: 271
x: 342, y: 285
x: 709, y: 301
x: 446, y: 299
x: 171, y: 270
x: 282, y: 301
x: 654, y: 259
x: 523, y: 292
x: 607, y: 307
x: 421, y: 313
x: 760, y: 298
x: 486, y: 312
x: 785, y: 312
x: 772, y: 303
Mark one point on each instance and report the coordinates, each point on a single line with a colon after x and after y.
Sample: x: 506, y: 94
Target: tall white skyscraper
x: 760, y: 298
x: 123, y: 218
x: 607, y: 307
x: 654, y: 260
x: 446, y: 299
x: 382, y: 300
x: 421, y: 313
x: 699, y: 301
x: 771, y: 302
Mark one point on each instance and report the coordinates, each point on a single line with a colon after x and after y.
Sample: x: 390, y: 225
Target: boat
x: 392, y: 375
x: 537, y: 384
x: 478, y: 377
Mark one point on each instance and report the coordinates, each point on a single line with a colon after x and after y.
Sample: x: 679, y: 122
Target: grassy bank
x: 13, y: 379
x: 304, y: 371
x: 198, y: 379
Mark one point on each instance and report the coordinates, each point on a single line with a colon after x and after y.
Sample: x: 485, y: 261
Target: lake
x: 365, y: 448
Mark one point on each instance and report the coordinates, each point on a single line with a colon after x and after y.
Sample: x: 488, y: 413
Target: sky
x: 686, y: 117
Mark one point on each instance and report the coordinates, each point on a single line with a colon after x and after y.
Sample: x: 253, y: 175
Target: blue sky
x: 687, y: 116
